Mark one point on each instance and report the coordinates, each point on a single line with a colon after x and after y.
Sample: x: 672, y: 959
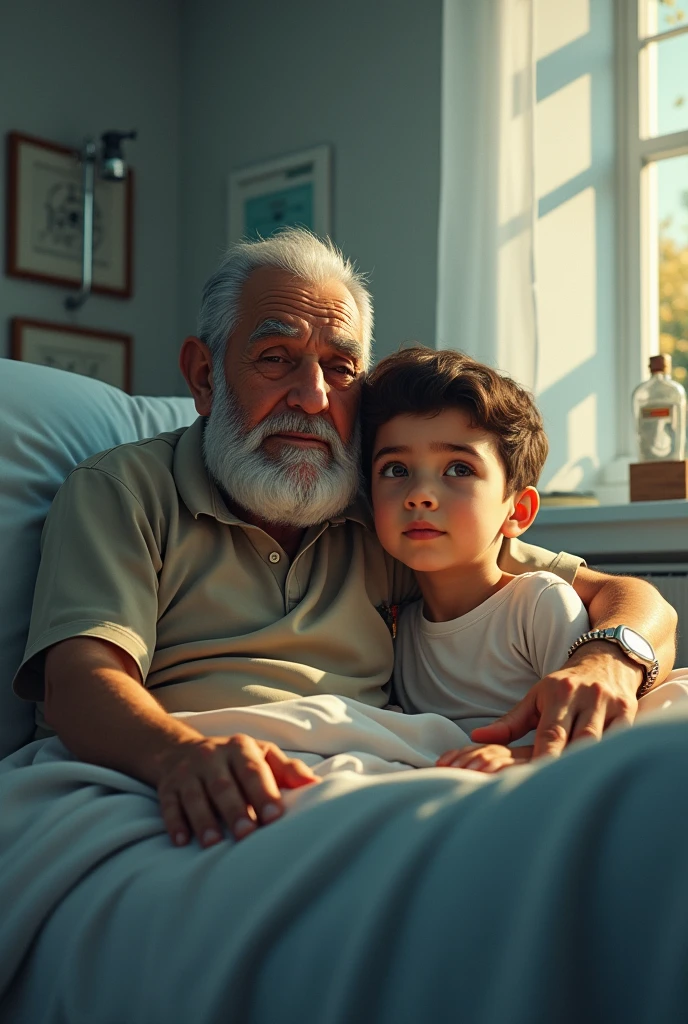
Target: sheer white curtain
x: 486, y: 278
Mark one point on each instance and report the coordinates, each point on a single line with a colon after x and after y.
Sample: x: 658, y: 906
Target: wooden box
x: 659, y: 481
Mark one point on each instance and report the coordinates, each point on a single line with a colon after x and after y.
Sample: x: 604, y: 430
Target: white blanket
x: 335, y: 734
x: 383, y: 895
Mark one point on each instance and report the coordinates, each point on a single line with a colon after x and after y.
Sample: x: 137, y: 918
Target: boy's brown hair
x: 421, y: 381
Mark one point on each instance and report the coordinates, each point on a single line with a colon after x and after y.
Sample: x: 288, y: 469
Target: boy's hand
x: 491, y: 758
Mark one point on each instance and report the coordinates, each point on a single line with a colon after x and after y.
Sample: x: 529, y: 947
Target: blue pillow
x: 50, y: 421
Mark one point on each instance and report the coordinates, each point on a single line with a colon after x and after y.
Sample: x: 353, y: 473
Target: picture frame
x: 103, y: 355
x: 44, y: 219
x: 293, y: 190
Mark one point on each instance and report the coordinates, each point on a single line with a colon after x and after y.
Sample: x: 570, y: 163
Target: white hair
x: 297, y: 487
x: 296, y: 250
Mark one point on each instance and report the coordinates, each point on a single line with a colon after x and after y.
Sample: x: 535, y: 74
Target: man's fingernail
x: 180, y: 838
x: 270, y: 812
x: 210, y: 836
x: 242, y: 827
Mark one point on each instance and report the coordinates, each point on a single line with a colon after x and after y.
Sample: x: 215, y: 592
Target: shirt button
x: 274, y: 556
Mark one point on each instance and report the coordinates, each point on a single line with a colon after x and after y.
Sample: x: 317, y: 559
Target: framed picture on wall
x: 292, y: 191
x: 103, y: 355
x: 44, y: 219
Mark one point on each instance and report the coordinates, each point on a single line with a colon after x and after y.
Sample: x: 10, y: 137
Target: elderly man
x: 231, y: 564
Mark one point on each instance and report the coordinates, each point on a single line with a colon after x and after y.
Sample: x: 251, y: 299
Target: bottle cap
x: 660, y: 364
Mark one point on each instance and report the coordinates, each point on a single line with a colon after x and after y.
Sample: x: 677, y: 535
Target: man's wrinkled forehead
x: 273, y: 294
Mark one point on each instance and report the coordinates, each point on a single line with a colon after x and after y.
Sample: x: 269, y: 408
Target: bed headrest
x: 50, y: 421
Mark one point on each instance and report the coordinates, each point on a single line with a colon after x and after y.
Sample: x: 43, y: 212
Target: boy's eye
x: 394, y: 469
x: 459, y: 469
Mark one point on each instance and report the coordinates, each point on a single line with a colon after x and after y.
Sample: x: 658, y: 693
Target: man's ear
x: 523, y: 508
x: 196, y: 364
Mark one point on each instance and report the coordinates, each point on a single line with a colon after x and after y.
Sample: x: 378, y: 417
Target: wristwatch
x: 635, y: 646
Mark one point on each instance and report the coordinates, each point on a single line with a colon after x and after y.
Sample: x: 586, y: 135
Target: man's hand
x: 233, y: 781
x: 102, y: 713
x: 595, y: 689
x: 489, y: 759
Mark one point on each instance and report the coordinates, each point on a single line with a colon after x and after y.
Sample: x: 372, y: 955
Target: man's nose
x: 309, y: 390
x: 421, y: 496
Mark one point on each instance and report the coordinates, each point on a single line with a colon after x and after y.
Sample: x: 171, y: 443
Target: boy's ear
x: 523, y: 509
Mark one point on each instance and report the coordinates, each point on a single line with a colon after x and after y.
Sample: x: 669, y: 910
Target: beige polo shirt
x: 139, y: 549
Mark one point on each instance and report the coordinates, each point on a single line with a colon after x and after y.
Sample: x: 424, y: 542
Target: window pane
x: 672, y: 209
x: 663, y: 15
x: 672, y: 85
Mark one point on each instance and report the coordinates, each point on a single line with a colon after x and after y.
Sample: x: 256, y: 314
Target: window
x: 652, y: 99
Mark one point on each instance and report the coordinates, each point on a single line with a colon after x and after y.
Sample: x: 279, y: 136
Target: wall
x: 265, y: 79
x: 78, y: 67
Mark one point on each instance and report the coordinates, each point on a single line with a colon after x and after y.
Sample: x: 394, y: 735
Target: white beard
x: 300, y: 487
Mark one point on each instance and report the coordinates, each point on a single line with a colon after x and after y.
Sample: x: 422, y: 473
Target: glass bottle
x: 659, y: 412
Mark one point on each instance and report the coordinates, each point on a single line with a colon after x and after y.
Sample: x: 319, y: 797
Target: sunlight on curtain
x: 486, y: 286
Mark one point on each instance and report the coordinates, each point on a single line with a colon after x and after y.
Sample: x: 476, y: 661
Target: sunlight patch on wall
x: 567, y: 288
x: 558, y: 23
x: 582, y: 447
x: 515, y: 315
x: 563, y: 147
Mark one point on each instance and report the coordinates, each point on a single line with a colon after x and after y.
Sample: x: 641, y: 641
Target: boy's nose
x: 420, y: 499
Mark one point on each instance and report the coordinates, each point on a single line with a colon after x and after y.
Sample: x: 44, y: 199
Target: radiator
x: 672, y: 583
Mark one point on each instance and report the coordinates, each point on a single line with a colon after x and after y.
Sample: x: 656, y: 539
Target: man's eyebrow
x: 272, y: 327
x: 347, y: 347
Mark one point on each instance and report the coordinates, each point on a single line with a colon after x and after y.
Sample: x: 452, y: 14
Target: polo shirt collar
x: 358, y: 511
x: 202, y: 497
x: 196, y: 489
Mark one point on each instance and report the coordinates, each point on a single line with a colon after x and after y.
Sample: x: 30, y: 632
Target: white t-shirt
x: 475, y: 668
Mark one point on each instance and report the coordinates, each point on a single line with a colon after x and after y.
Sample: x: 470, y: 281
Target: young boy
x: 453, y: 451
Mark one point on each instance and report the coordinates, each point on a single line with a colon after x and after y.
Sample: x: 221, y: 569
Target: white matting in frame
x: 44, y: 219
x: 103, y: 355
x: 289, y: 192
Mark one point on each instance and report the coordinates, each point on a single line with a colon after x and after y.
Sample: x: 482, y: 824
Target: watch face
x: 638, y: 644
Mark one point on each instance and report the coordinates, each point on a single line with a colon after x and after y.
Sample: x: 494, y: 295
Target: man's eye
x: 347, y: 372
x: 393, y: 469
x: 459, y: 469
x: 272, y: 359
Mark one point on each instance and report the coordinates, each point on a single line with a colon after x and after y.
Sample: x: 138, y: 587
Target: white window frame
x: 637, y: 241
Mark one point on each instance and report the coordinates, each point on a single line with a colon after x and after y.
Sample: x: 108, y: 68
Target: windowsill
x: 634, y: 512
x: 649, y: 531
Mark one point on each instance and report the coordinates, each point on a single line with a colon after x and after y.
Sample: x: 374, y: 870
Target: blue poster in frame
x: 287, y: 207
x: 289, y: 192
